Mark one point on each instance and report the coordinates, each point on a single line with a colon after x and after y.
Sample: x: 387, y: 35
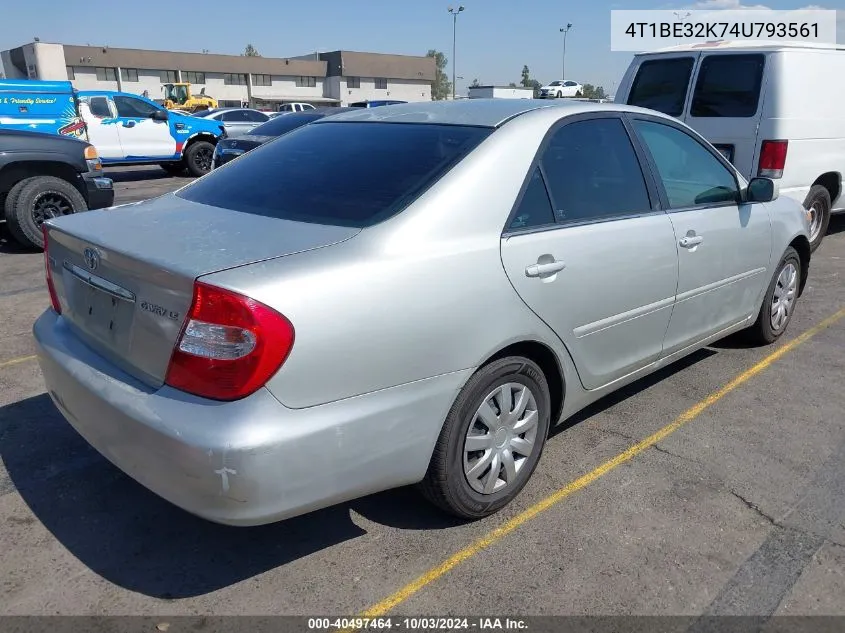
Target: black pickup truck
x: 43, y: 176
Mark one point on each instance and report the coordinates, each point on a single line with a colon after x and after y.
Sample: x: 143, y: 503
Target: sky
x: 495, y: 38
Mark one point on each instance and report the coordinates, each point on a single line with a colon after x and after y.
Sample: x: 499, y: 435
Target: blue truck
x: 126, y: 129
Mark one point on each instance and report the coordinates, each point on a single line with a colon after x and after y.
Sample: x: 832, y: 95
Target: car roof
x: 478, y: 112
x: 744, y: 45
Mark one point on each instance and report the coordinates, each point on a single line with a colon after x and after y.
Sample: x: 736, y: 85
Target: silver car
x: 406, y: 294
x: 237, y: 121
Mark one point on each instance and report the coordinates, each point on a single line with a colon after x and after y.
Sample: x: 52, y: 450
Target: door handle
x: 129, y: 124
x: 691, y: 240
x: 538, y: 270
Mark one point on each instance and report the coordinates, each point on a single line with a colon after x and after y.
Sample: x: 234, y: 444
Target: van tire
x: 199, y: 157
x: 819, y: 197
x: 23, y: 225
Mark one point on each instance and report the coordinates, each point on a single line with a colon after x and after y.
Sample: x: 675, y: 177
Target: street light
x: 681, y: 19
x: 563, y: 64
x: 454, y: 13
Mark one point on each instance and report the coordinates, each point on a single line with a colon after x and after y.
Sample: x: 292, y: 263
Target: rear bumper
x: 99, y: 191
x: 251, y: 461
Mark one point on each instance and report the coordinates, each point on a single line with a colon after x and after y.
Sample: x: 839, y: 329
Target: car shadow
x: 136, y: 540
x: 137, y: 175
x: 837, y: 224
x: 9, y: 245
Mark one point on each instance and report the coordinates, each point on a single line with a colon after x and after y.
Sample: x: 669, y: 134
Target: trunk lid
x: 125, y: 276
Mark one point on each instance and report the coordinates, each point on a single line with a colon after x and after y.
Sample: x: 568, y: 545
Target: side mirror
x: 160, y: 115
x: 762, y: 190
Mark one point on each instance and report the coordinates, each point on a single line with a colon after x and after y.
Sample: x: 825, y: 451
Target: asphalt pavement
x: 678, y: 495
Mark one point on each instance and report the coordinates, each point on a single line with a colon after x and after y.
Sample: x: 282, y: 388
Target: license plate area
x: 103, y: 310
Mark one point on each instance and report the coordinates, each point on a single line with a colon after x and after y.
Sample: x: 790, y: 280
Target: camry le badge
x: 92, y: 258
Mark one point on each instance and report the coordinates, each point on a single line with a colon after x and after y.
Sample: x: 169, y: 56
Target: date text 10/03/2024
x: 416, y: 624
x: 722, y: 30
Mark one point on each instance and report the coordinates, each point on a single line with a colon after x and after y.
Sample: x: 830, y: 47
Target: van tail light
x: 230, y: 345
x: 48, y: 273
x: 772, y: 159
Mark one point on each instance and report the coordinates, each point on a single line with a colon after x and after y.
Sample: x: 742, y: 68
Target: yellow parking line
x: 383, y: 607
x: 15, y: 361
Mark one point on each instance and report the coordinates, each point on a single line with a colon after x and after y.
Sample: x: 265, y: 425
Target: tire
x: 818, y: 200
x: 13, y: 195
x: 198, y: 158
x: 764, y: 332
x: 174, y: 169
x: 559, y: 94
x: 446, y: 483
x: 42, y: 198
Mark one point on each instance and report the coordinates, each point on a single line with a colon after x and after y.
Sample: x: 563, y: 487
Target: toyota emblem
x: 92, y: 258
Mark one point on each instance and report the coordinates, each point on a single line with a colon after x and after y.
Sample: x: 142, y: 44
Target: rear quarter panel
x: 420, y: 295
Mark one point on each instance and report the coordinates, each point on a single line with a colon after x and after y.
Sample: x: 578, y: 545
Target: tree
x: 590, y: 91
x: 511, y: 85
x: 526, y: 77
x: 442, y: 87
x: 475, y: 83
x: 250, y: 51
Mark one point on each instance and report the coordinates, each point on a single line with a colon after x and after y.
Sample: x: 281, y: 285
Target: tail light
x: 48, y: 273
x: 230, y: 345
x: 772, y: 159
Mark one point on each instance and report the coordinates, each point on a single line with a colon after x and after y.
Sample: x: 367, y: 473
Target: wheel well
x: 832, y: 181
x: 802, y: 245
x: 548, y: 363
x: 13, y: 173
x: 202, y: 136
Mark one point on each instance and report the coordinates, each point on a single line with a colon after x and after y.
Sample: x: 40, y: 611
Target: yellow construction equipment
x: 177, y: 96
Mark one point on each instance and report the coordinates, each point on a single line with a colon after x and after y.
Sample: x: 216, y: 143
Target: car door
x: 101, y: 120
x: 570, y: 88
x: 237, y: 122
x: 589, y: 250
x: 141, y: 136
x: 724, y: 244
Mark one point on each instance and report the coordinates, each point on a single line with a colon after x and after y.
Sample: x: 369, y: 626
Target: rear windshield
x: 342, y: 173
x: 283, y: 124
x: 728, y: 86
x: 661, y: 84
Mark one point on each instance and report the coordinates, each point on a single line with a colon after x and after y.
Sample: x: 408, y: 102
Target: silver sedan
x: 410, y: 294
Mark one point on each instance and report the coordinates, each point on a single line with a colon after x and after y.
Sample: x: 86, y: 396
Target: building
x: 500, y: 92
x: 333, y: 78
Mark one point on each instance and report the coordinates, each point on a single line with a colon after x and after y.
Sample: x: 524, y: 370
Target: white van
x: 773, y: 109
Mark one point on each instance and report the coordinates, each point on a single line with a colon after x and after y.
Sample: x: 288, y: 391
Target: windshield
x: 556, y: 83
x: 177, y: 94
x: 279, y: 125
x: 340, y: 173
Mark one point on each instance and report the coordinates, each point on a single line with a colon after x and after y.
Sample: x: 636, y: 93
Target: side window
x: 133, y: 108
x: 286, y: 108
x: 569, y: 84
x: 234, y: 116
x: 593, y: 172
x: 99, y: 107
x: 661, y: 84
x: 255, y: 117
x: 535, y: 208
x: 691, y: 174
x: 728, y: 86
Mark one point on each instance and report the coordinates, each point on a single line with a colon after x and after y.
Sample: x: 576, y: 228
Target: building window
x: 306, y: 82
x: 129, y: 74
x: 262, y: 80
x: 381, y: 83
x: 70, y: 74
x: 353, y: 82
x: 194, y: 77
x: 230, y: 103
x: 168, y: 77
x: 106, y: 74
x: 234, y: 79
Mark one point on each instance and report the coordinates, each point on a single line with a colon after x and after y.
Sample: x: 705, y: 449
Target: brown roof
x: 387, y: 66
x: 202, y: 62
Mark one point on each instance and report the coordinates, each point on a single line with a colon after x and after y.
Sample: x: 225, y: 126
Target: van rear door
x: 660, y: 82
x: 726, y: 102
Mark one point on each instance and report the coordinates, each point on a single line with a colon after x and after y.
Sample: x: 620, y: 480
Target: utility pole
x: 563, y: 63
x: 454, y: 13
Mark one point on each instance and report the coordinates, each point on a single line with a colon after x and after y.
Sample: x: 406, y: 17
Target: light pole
x: 681, y: 19
x: 563, y: 63
x: 454, y: 13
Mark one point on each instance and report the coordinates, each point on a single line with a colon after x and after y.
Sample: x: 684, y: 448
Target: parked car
x: 51, y: 107
x: 560, y: 88
x: 237, y: 121
x: 354, y: 316
x: 46, y: 175
x: 375, y: 104
x: 128, y: 129
x: 295, y: 107
x: 231, y: 148
x: 750, y: 100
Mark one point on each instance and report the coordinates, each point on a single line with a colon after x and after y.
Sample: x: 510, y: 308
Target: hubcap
x: 815, y: 221
x: 501, y: 438
x: 50, y: 205
x: 202, y: 159
x: 784, y: 296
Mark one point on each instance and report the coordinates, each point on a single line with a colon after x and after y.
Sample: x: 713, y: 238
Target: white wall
x: 49, y: 60
x: 285, y: 88
x: 86, y: 79
x: 400, y: 89
x: 149, y: 80
x: 214, y: 87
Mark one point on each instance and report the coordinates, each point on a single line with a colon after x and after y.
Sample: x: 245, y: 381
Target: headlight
x: 92, y: 158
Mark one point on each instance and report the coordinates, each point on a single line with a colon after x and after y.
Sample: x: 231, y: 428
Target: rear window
x: 661, y: 84
x: 342, y: 173
x: 728, y: 86
x: 283, y: 124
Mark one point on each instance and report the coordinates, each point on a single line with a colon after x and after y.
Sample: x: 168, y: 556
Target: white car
x: 749, y: 99
x: 560, y: 88
x: 296, y: 107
